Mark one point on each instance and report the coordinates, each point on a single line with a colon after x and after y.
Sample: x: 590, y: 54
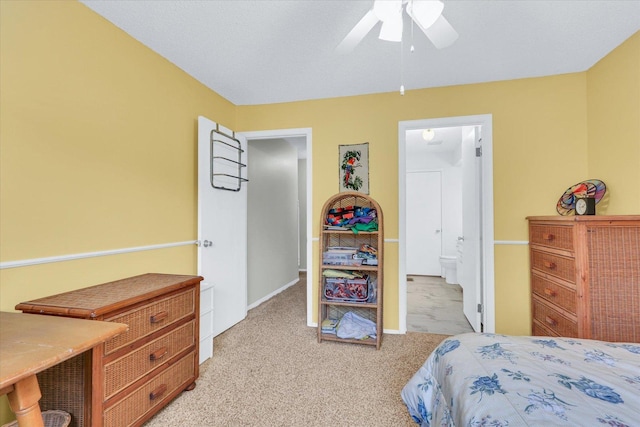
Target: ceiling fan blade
x: 441, y: 33
x: 392, y: 29
x: 358, y: 32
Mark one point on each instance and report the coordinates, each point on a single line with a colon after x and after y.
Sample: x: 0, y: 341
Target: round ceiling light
x: 428, y: 134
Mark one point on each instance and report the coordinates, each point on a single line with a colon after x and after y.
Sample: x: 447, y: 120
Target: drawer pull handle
x: 550, y: 292
x: 158, y: 354
x: 157, y: 318
x: 159, y: 391
x: 548, y: 236
x: 550, y: 265
x: 551, y: 321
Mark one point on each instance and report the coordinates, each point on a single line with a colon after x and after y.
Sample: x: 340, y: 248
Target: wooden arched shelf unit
x: 331, y: 238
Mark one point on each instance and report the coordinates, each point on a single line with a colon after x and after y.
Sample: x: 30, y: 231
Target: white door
x: 222, y: 230
x: 424, y: 223
x: 471, y: 278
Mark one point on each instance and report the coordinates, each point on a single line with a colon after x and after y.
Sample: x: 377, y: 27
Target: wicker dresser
x: 585, y: 277
x: 132, y: 376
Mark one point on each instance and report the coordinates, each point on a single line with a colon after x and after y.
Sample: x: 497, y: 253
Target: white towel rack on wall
x: 226, y: 173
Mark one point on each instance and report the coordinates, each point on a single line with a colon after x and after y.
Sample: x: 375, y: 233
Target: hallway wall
x: 272, y: 217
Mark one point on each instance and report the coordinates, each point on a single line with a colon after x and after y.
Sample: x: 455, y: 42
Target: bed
x: 496, y: 380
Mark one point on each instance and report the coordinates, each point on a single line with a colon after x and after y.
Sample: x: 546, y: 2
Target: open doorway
x: 300, y: 141
x: 473, y: 231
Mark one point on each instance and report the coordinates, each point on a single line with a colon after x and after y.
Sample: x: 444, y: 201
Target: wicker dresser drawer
x: 145, y: 320
x: 554, y: 293
x: 130, y: 410
x: 126, y: 370
x: 555, y: 265
x: 157, y: 355
x: 540, y: 331
x: 558, y: 237
x: 554, y: 320
x: 587, y: 268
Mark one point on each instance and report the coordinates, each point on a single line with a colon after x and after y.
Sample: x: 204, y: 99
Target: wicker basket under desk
x: 133, y: 375
x: 67, y: 386
x: 53, y: 418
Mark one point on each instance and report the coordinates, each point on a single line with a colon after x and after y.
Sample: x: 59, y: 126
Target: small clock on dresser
x: 585, y: 206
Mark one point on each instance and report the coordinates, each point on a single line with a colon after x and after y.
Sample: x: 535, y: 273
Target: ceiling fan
x: 426, y: 14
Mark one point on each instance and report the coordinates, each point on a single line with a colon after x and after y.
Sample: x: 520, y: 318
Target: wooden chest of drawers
x: 132, y: 376
x: 585, y: 277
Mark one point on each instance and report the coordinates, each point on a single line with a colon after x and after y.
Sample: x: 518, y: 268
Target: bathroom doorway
x: 461, y: 190
x: 435, y: 306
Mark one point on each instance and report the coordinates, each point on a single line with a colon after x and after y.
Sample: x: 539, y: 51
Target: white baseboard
x: 273, y: 294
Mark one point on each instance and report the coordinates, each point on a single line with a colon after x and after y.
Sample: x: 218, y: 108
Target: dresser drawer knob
x: 158, y: 354
x: 548, y: 236
x: 550, y: 292
x: 159, y: 391
x: 157, y: 318
x: 551, y: 321
x: 550, y: 265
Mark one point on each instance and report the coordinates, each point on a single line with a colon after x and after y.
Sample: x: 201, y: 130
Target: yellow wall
x: 537, y: 125
x: 98, y: 151
x: 545, y: 139
x: 613, y: 98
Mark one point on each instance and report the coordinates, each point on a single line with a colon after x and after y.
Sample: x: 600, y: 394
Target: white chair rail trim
x: 36, y: 261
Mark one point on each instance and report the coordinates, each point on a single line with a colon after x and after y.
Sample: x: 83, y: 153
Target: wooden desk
x: 30, y: 343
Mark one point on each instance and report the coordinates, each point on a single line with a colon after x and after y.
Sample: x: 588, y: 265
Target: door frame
x: 485, y: 121
x: 307, y: 134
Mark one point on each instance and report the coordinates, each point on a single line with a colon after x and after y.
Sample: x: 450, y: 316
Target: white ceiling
x: 270, y: 51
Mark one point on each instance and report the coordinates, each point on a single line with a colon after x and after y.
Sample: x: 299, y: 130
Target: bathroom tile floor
x: 435, y: 306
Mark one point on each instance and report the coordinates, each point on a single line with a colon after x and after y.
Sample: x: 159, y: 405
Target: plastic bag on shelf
x: 353, y: 326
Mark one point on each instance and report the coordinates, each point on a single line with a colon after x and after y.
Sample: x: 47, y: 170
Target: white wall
x: 272, y: 217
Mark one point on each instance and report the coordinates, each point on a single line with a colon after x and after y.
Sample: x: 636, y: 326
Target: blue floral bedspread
x: 495, y: 380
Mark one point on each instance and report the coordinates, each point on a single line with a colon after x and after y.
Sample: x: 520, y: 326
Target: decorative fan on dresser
x: 591, y: 188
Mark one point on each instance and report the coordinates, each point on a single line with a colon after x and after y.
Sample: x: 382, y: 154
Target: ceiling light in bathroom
x: 428, y: 134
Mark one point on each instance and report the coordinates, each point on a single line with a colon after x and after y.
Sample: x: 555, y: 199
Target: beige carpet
x: 269, y: 370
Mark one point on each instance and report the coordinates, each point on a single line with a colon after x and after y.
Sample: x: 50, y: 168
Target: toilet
x: 448, y: 267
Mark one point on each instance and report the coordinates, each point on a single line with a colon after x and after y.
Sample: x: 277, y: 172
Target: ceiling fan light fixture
x: 425, y: 12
